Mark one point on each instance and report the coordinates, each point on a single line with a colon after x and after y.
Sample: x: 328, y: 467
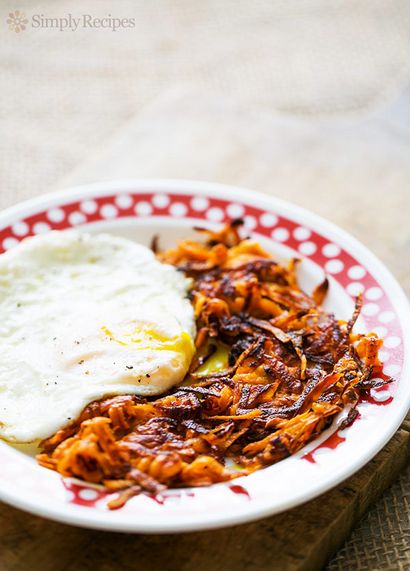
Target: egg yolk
x: 146, y: 338
x: 216, y: 362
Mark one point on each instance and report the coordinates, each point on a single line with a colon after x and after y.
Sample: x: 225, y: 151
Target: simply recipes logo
x: 17, y: 22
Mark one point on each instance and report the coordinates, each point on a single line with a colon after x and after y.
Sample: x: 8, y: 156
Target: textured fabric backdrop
x: 63, y: 93
x: 318, y: 70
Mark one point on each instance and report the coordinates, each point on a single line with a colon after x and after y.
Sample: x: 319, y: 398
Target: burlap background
x: 314, y: 68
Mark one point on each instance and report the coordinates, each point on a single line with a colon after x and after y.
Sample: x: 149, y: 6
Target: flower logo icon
x: 17, y: 21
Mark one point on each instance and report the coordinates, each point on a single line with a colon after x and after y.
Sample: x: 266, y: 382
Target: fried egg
x: 84, y: 316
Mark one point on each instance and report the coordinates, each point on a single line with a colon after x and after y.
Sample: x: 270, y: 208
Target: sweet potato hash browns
x: 271, y: 371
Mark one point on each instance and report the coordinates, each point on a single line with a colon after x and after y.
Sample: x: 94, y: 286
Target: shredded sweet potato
x: 271, y: 371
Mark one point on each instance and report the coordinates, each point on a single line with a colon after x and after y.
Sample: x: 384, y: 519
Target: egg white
x: 84, y: 316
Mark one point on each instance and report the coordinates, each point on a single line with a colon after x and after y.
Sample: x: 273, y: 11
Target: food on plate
x: 84, y: 316
x: 270, y: 372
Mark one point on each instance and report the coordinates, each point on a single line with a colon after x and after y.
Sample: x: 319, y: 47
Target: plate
x: 138, y: 209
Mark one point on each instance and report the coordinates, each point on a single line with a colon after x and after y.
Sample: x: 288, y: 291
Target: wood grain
x: 301, y: 539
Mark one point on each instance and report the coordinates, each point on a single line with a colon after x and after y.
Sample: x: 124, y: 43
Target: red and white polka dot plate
x: 140, y: 209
